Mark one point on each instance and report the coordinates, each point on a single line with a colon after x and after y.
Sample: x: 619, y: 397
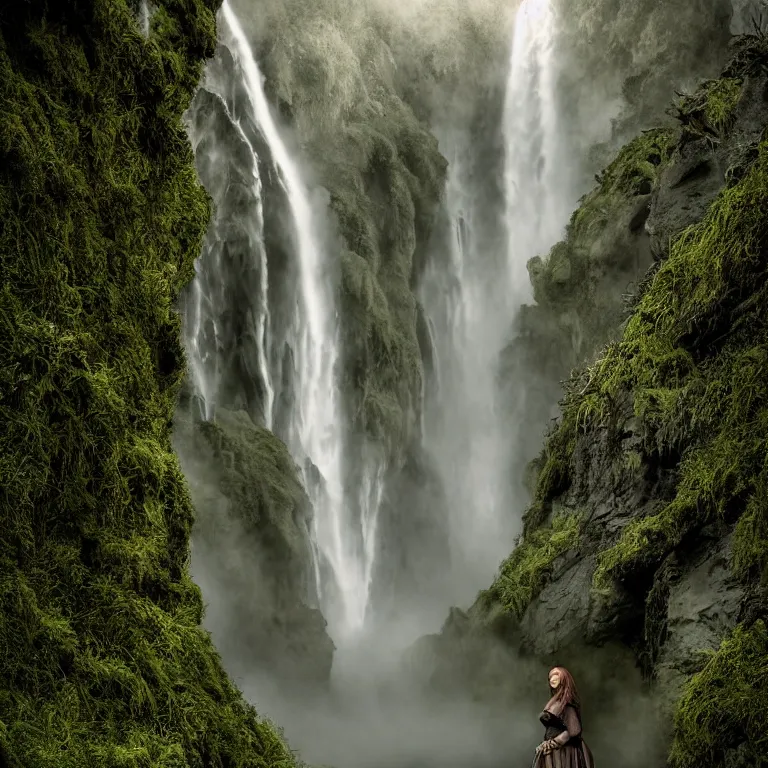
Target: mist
x: 416, y: 523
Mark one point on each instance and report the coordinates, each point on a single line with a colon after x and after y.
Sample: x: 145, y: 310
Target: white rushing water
x: 344, y: 524
x: 474, y: 299
x: 466, y: 301
x: 538, y: 163
x: 145, y: 17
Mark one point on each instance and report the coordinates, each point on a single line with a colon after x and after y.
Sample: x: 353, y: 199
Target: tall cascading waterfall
x: 474, y: 299
x: 465, y: 298
x: 539, y: 166
x: 311, y: 424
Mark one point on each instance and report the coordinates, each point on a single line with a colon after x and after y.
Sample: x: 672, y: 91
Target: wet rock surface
x: 703, y: 165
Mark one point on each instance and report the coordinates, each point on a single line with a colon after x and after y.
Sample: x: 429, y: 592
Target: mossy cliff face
x: 102, y: 658
x: 348, y: 77
x: 251, y: 542
x: 648, y: 525
x: 641, y: 52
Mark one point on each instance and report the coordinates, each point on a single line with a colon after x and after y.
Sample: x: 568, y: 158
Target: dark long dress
x: 574, y: 753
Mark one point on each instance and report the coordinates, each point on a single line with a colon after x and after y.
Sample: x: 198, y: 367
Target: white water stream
x: 344, y: 523
x: 474, y: 299
x: 539, y: 161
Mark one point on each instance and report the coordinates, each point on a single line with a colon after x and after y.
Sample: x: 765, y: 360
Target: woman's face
x: 554, y: 679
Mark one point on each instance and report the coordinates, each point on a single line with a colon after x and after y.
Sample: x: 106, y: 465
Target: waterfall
x: 538, y: 167
x: 474, y: 296
x: 465, y: 298
x: 145, y: 16
x: 344, y: 523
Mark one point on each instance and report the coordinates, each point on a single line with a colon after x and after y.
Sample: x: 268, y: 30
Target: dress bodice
x: 555, y: 725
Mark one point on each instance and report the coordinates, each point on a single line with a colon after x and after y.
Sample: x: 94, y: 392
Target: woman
x: 563, y: 746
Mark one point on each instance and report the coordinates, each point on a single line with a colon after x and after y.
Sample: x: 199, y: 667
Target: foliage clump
x: 724, y: 705
x: 102, y: 658
x: 524, y: 572
x: 710, y: 110
x: 636, y: 167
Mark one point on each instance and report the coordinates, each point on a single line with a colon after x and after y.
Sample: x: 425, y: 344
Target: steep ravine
x: 645, y: 541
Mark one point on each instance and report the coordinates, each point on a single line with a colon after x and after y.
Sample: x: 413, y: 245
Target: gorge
x: 333, y: 317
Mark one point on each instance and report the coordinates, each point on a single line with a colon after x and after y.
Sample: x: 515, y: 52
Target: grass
x: 524, y: 572
x: 724, y: 704
x: 102, y: 658
x: 709, y: 111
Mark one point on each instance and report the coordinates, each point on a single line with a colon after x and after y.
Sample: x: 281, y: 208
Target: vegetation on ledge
x: 710, y: 109
x: 102, y: 658
x: 524, y: 572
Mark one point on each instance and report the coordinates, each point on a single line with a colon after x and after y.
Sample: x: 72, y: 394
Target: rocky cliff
x: 646, y: 536
x: 102, y: 657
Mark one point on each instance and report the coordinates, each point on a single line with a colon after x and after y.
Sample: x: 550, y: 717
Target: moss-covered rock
x: 102, y: 658
x: 252, y: 549
x: 522, y: 575
x: 690, y: 368
x: 721, y: 718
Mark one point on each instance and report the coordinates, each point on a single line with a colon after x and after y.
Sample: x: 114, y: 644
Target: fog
x: 523, y: 128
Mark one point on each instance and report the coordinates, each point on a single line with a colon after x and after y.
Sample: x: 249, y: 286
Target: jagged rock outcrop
x: 648, y: 524
x: 102, y: 657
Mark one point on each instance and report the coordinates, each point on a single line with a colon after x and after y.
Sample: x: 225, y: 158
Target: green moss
x: 260, y: 478
x: 695, y: 353
x: 724, y: 705
x: 555, y: 460
x: 641, y: 160
x: 523, y: 573
x: 709, y: 111
x: 634, y: 171
x: 384, y: 212
x: 102, y: 658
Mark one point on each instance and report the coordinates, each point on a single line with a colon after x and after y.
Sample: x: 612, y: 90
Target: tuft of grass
x: 639, y: 161
x: 103, y: 661
x: 524, y: 572
x: 709, y: 111
x: 723, y: 706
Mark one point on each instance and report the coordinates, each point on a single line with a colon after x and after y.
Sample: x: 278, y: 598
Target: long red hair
x: 564, y: 694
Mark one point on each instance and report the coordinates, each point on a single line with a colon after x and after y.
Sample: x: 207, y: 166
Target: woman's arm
x: 572, y: 726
